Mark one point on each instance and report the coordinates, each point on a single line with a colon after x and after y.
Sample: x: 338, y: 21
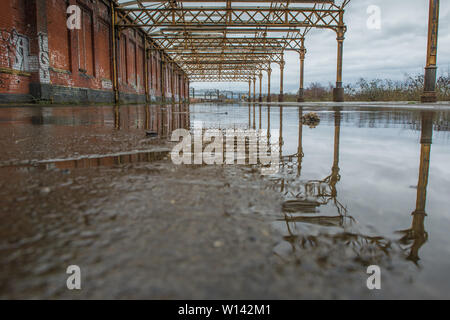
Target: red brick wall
x: 103, y: 49
x: 87, y: 51
x: 15, y: 32
x: 140, y: 70
x: 76, y: 58
x: 58, y: 41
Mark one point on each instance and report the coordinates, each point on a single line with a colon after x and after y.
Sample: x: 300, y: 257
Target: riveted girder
x: 208, y: 38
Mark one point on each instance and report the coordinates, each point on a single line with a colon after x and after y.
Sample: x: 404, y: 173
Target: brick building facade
x: 42, y: 60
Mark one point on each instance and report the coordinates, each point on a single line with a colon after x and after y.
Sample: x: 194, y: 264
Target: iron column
x: 114, y: 54
x: 163, y: 79
x: 254, y: 89
x: 260, y: 86
x: 300, y: 153
x: 281, y: 97
x: 249, y: 90
x: 429, y: 94
x: 338, y: 92
x: 188, y: 88
x: 417, y: 233
x: 269, y: 72
x: 301, y: 89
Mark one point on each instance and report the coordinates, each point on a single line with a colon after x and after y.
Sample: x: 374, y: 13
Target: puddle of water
x: 92, y: 161
x: 373, y: 180
x: 361, y: 186
x: 38, y: 133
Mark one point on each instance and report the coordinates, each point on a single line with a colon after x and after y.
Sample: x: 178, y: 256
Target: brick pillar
x: 40, y: 85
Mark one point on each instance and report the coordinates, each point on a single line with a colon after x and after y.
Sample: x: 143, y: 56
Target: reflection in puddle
x: 341, y: 200
x: 416, y: 236
x: 321, y: 211
x: 162, y: 119
x: 95, y: 161
x: 303, y: 198
x: 38, y: 133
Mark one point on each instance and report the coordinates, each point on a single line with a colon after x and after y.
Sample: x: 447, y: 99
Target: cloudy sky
x: 399, y: 47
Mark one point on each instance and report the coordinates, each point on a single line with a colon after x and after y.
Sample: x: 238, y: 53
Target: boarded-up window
x: 103, y: 49
x: 58, y: 40
x: 154, y: 73
x: 140, y: 68
x: 123, y: 60
x: 132, y: 63
x: 85, y: 43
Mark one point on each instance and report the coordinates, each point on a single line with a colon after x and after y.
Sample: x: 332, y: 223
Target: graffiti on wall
x: 43, y: 58
x: 17, y: 49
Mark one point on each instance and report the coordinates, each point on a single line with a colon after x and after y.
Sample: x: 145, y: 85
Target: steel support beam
x: 254, y: 89
x: 146, y: 76
x: 281, y: 96
x: 210, y: 43
x: 302, y: 54
x: 221, y: 17
x: 114, y: 55
x: 338, y: 92
x: 269, y: 74
x: 260, y: 86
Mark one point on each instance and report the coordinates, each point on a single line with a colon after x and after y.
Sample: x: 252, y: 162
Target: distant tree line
x: 410, y: 89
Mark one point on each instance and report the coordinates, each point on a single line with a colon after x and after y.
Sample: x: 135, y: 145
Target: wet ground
x: 87, y: 186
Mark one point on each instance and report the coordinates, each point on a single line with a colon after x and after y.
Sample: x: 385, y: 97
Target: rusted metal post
x: 173, y: 76
x: 250, y: 90
x: 254, y: 116
x: 282, y: 63
x: 186, y: 92
x: 280, y: 138
x: 114, y: 53
x: 417, y: 232
x: 249, y: 116
x: 170, y: 78
x: 188, y: 86
x: 254, y: 89
x: 429, y: 93
x: 260, y: 86
x: 179, y: 87
x: 260, y: 117
x: 337, y: 138
x: 426, y: 140
x: 147, y: 99
x: 301, y: 90
x: 338, y: 92
x: 269, y: 73
x: 300, y: 153
x: 163, y: 79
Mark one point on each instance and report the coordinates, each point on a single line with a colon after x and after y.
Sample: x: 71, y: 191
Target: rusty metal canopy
x: 226, y: 40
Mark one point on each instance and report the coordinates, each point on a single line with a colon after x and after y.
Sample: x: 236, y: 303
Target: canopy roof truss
x: 206, y: 38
